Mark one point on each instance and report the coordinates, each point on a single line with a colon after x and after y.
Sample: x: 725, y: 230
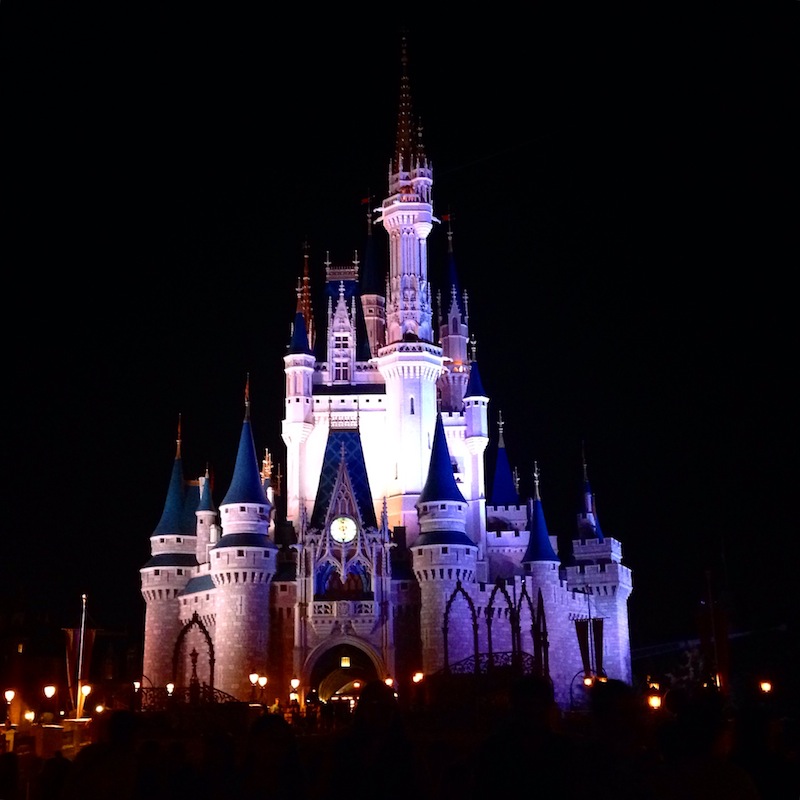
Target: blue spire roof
x: 299, y: 341
x: 172, y: 516
x: 474, y: 384
x: 440, y: 485
x: 246, y: 486
x: 504, y: 490
x: 206, y: 500
x: 539, y: 547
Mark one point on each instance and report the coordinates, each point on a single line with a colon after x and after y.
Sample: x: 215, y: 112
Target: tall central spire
x: 407, y: 216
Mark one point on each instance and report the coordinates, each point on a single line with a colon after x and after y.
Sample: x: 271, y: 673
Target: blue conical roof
x: 172, y: 516
x: 299, y: 341
x: 504, y: 490
x: 539, y: 547
x: 474, y: 384
x: 440, y: 485
x: 246, y: 486
x: 206, y: 500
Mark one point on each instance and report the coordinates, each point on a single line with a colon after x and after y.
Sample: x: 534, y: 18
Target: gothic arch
x: 459, y: 590
x: 309, y: 677
x: 195, y: 620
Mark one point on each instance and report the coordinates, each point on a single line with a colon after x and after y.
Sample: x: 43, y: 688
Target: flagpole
x: 79, y: 712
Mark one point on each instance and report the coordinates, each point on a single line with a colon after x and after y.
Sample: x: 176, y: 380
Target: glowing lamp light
x: 137, y: 685
x: 765, y: 686
x: 170, y: 688
x: 49, y: 691
x: 29, y: 716
x: 344, y: 662
x: 588, y: 680
x: 9, y: 695
x: 254, y: 678
x: 262, y: 681
x: 86, y: 690
x: 294, y: 682
x: 654, y: 701
x: 389, y: 681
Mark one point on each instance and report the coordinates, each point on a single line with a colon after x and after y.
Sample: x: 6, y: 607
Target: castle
x: 391, y: 559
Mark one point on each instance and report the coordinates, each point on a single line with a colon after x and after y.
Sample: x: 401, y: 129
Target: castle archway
x: 341, y: 667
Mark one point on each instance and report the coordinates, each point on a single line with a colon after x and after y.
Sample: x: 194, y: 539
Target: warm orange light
x: 417, y: 677
x: 654, y: 701
x: 254, y: 678
x: 765, y: 686
x: 262, y: 681
x: 49, y: 691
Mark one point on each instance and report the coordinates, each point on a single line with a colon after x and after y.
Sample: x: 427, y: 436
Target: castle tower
x: 597, y: 572
x: 476, y: 438
x: 173, y: 546
x: 299, y: 419
x: 444, y: 560
x: 242, y: 564
x: 207, y: 522
x: 410, y: 363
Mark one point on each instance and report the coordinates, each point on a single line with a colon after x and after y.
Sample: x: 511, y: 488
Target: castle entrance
x: 340, y: 671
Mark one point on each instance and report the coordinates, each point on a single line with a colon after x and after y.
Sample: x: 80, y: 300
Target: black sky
x: 621, y: 192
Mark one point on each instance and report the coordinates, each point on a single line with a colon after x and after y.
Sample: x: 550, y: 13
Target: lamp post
x: 9, y: 695
x: 49, y: 693
x: 85, y: 691
x: 262, y: 682
x: 253, y: 681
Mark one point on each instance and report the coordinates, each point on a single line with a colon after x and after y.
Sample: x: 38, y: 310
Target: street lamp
x: 253, y: 681
x: 262, y: 682
x: 86, y: 690
x: 9, y: 695
x: 49, y: 693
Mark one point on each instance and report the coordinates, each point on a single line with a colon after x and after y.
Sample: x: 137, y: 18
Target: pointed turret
x: 539, y: 546
x: 172, y: 517
x: 304, y: 306
x: 246, y: 485
x: 588, y: 523
x: 206, y: 519
x: 442, y: 507
x: 172, y: 556
x: 504, y: 489
x: 242, y: 565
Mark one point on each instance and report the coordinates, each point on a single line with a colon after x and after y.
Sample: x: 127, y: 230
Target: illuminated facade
x: 390, y: 554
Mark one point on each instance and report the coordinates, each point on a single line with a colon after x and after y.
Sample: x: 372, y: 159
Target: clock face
x: 343, y: 529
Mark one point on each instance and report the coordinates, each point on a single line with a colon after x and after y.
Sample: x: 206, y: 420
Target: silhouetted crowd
x: 695, y: 747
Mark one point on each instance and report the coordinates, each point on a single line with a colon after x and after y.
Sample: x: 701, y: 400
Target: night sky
x: 620, y: 191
